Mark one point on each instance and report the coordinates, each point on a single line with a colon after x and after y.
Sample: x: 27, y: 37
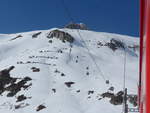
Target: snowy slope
x: 57, y: 66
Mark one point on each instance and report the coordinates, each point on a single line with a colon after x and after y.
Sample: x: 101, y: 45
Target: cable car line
x: 107, y: 81
x: 124, y: 105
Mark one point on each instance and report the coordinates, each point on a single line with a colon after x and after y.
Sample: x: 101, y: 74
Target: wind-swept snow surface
x: 63, y: 76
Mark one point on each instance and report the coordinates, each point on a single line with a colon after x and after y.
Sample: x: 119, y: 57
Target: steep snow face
x: 64, y: 77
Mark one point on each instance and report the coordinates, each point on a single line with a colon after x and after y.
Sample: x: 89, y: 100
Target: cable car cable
x: 90, y: 54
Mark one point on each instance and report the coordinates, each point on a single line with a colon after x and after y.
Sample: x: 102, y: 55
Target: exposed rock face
x: 36, y: 35
x: 117, y: 99
x: 13, y: 88
x: 5, y: 78
x: 90, y: 92
x: 61, y: 35
x: 115, y: 44
x: 21, y: 105
x: 107, y: 94
x: 34, y: 69
x: 21, y: 98
x: 40, y: 107
x: 76, y: 26
x: 68, y: 84
x: 19, y: 36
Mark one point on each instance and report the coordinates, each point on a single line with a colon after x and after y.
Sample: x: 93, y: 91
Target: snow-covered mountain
x: 54, y: 71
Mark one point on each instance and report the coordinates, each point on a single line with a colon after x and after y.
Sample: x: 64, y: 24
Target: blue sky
x: 115, y: 16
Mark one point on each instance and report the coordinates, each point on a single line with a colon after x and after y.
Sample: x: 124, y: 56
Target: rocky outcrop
x: 5, y: 78
x: 69, y: 84
x: 115, y: 44
x: 35, y: 69
x: 21, y: 98
x: 9, y: 84
x: 36, y: 35
x: 40, y: 107
x: 18, y: 36
x: 63, y: 36
x: 80, y: 26
x: 14, y: 88
x: 117, y: 99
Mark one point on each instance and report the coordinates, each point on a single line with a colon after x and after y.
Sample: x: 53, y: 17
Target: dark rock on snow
x: 68, y: 84
x: 36, y: 35
x: 115, y: 44
x: 90, y: 92
x: 117, y: 99
x: 5, y: 78
x: 35, y: 69
x: 40, y: 107
x: 21, y: 98
x: 63, y: 36
x: 19, y: 36
x: 13, y: 88
x: 21, y: 105
x: 54, y: 90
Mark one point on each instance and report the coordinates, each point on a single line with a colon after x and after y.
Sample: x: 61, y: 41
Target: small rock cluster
x: 117, y: 99
x: 35, y: 69
x: 115, y: 44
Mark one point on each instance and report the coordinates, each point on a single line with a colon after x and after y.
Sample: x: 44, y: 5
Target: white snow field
x: 59, y: 63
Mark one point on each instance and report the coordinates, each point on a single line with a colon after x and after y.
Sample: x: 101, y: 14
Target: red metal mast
x: 144, y: 78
